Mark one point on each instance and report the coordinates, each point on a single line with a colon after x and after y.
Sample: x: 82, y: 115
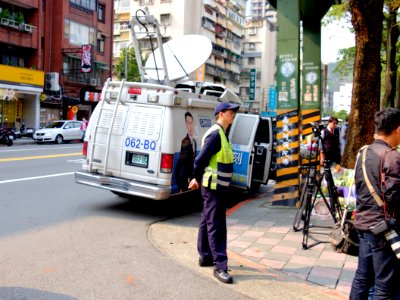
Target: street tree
x: 390, y: 44
x: 367, y: 20
x: 132, y: 66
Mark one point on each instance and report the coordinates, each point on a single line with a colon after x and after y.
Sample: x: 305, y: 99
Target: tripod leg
x: 300, y: 211
x: 333, y: 194
x: 310, y: 200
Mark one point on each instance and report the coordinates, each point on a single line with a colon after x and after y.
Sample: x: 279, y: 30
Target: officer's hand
x: 193, y: 184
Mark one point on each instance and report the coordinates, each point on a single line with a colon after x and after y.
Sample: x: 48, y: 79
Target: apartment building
x: 259, y: 9
x: 21, y: 64
x: 55, y: 55
x: 221, y: 21
x: 258, y: 76
x: 77, y: 56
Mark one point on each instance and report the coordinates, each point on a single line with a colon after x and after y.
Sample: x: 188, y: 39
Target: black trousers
x: 212, y: 238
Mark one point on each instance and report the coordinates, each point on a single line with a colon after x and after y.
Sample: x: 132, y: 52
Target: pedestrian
x: 83, y: 128
x: 377, y: 179
x: 343, y: 134
x: 330, y: 144
x: 213, y: 167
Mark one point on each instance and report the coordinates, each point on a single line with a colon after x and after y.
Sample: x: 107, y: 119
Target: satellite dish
x: 182, y: 55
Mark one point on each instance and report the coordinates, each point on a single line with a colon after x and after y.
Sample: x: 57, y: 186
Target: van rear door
x: 142, y: 144
x: 251, y: 140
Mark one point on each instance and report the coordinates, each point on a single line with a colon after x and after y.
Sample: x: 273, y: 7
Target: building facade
x: 77, y: 56
x: 258, y: 76
x: 221, y: 21
x: 342, y: 98
x: 21, y: 62
x: 43, y: 47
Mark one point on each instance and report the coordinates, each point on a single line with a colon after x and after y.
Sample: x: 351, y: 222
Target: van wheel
x: 123, y: 195
x: 255, y: 187
x: 59, y: 139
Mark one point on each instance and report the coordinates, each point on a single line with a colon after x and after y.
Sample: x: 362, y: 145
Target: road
x: 61, y: 240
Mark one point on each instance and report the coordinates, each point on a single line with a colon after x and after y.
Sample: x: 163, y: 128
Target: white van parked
x: 142, y: 137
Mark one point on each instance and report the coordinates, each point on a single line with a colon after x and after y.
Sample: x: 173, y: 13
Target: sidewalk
x: 265, y: 255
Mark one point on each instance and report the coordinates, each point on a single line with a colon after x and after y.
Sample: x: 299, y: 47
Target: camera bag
x: 344, y: 237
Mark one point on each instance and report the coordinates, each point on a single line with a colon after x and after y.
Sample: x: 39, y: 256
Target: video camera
x: 317, y: 128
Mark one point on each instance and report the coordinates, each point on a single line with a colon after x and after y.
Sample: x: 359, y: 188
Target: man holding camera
x: 377, y: 177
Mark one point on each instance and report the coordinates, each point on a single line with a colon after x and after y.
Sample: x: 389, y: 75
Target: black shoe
x: 223, y: 276
x: 205, y: 262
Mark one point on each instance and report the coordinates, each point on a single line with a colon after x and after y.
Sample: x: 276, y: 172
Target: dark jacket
x: 331, y: 145
x: 368, y: 212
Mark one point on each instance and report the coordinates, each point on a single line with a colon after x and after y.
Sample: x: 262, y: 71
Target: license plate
x: 137, y: 159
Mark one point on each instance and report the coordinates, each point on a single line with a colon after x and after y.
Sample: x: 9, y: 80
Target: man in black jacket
x: 330, y: 143
x: 377, y: 263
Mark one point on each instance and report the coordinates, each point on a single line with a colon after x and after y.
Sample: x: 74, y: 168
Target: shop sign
x: 252, y: 90
x: 21, y: 76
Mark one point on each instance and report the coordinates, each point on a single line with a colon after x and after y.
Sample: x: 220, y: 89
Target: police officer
x: 213, y: 167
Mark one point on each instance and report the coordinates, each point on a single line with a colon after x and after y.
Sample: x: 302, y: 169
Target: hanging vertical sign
x: 252, y: 90
x: 86, y: 60
x: 287, y: 76
x: 200, y: 73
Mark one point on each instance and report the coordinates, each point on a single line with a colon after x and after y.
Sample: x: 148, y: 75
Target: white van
x: 143, y: 136
x: 134, y: 142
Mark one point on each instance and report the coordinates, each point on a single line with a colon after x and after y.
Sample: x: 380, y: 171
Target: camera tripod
x: 311, y: 188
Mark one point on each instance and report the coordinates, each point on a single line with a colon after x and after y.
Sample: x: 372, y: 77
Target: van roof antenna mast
x: 144, y: 21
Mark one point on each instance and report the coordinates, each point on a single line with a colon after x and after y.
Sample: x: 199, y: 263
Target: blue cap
x: 225, y: 106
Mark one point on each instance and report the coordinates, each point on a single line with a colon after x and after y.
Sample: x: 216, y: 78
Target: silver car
x: 59, y: 131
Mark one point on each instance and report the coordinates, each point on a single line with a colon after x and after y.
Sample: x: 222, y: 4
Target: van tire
x: 255, y: 187
x: 123, y: 195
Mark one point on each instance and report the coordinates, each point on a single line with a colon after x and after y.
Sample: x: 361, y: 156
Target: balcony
x: 25, y: 3
x: 23, y: 35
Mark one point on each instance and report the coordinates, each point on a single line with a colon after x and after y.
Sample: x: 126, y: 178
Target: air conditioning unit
x: 52, y: 81
x: 93, y: 81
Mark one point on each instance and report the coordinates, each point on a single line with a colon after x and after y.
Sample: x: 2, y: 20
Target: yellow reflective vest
x: 220, y: 169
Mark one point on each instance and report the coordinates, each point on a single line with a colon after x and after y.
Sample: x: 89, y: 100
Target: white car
x: 59, y: 131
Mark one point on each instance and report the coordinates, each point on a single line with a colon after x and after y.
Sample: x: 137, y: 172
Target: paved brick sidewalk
x: 263, y: 234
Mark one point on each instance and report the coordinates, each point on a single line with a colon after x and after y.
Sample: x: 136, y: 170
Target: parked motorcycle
x: 6, y: 137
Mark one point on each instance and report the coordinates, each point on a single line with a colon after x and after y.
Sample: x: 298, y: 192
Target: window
x: 100, y: 42
x: 78, y: 34
x: 86, y: 5
x: 252, y: 46
x: 101, y: 13
x: 252, y: 30
x: 146, y: 2
x: 251, y: 61
x: 165, y: 19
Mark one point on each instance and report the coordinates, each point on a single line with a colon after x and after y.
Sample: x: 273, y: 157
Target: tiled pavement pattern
x: 263, y: 234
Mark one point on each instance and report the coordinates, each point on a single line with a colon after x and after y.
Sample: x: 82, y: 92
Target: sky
x: 335, y: 36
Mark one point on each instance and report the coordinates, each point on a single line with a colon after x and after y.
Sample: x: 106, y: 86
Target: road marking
x: 36, y: 177
x: 39, y: 156
x: 39, y: 149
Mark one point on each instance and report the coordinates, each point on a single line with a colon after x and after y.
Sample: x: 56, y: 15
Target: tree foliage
x: 132, y: 66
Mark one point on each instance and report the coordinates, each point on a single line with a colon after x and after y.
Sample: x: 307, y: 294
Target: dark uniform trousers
x: 212, y: 239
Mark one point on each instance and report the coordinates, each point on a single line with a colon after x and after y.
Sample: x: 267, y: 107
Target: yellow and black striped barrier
x: 288, y: 154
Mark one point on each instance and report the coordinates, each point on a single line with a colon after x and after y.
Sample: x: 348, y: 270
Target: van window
x: 262, y: 134
x: 243, y: 136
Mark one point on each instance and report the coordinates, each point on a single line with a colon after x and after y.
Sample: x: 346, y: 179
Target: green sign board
x: 252, y: 90
x: 311, y: 88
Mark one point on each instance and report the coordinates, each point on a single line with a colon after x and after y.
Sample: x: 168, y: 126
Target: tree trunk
x: 393, y: 33
x: 367, y: 18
